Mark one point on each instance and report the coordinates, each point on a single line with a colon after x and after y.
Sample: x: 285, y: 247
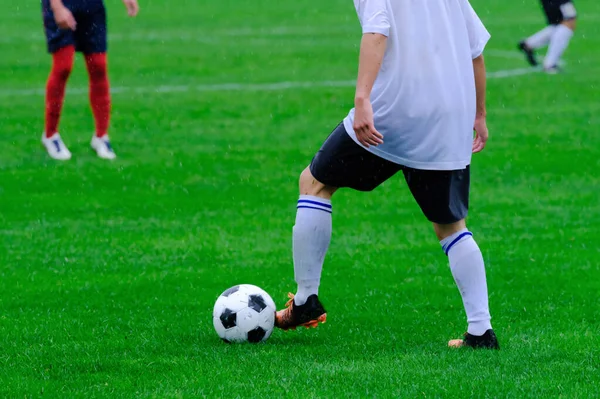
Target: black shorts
x: 90, y: 35
x: 443, y: 195
x: 558, y: 11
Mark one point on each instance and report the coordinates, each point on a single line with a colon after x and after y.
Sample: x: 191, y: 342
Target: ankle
x: 306, y: 288
x: 478, y: 328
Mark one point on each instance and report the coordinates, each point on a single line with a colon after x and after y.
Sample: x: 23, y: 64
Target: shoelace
x: 290, y: 301
x: 286, y: 314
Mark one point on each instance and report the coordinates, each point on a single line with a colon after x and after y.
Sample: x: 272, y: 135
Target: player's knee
x: 62, y: 71
x: 309, y: 185
x: 571, y: 23
x: 446, y: 230
x: 97, y: 68
x: 97, y: 72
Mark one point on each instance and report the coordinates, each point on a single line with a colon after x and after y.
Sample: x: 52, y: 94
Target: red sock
x: 99, y: 91
x: 62, y: 64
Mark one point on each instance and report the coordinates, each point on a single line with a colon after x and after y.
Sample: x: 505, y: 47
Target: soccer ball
x: 244, y: 313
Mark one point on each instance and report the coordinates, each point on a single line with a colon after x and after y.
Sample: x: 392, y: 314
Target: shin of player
x: 78, y: 25
x: 561, y: 16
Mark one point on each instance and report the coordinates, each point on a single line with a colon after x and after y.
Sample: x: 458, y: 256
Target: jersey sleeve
x: 478, y: 34
x: 373, y: 16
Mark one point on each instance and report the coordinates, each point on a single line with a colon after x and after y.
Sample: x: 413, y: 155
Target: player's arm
x: 62, y: 15
x: 373, y: 17
x: 480, y: 126
x: 372, y: 50
x: 478, y: 38
x: 132, y: 7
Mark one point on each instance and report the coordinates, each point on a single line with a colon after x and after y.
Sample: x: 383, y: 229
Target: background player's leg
x: 311, y: 235
x: 100, y: 101
x: 468, y: 270
x: 558, y: 44
x: 99, y: 91
x: 91, y: 36
x: 541, y: 38
x: 62, y: 64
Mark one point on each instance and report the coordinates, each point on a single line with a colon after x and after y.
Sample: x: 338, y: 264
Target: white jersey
x: 424, y: 95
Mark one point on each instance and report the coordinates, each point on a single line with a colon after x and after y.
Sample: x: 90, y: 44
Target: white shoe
x: 102, y: 147
x: 55, y: 147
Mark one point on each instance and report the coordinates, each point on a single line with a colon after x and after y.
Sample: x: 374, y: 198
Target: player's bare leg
x: 558, y: 44
x: 468, y: 270
x: 311, y: 237
x: 62, y: 65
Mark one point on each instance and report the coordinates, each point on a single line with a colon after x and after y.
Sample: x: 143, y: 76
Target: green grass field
x: 108, y: 271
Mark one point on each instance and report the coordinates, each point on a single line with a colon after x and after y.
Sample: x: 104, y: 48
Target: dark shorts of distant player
x: 558, y: 11
x: 90, y: 35
x: 442, y: 195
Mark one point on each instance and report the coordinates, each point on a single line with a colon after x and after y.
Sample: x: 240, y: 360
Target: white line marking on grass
x: 505, y: 54
x: 276, y: 86
x: 214, y: 36
x: 205, y: 35
x: 507, y: 73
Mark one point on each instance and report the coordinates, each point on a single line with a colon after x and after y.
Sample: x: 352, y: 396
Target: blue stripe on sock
x: 312, y: 207
x: 303, y: 201
x: 457, y: 239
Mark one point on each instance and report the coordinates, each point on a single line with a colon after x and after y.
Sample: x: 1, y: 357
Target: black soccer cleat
x: 529, y: 54
x: 308, y: 315
x: 486, y: 341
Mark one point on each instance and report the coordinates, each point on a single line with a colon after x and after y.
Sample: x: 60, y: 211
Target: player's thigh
x: 442, y: 195
x: 91, y: 33
x: 341, y: 162
x: 558, y: 11
x: 56, y: 38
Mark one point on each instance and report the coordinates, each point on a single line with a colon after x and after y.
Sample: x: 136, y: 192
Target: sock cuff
x: 316, y: 203
x: 448, y: 242
x: 316, y: 199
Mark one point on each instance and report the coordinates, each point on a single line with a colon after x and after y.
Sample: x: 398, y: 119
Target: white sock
x: 468, y: 270
x: 541, y: 38
x: 558, y: 44
x: 312, y: 234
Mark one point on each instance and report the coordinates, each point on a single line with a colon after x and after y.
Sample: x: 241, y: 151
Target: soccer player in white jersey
x: 420, y: 94
x: 562, y: 17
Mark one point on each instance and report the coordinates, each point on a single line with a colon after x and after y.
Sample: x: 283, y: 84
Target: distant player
x: 420, y: 93
x: 78, y: 25
x: 562, y: 16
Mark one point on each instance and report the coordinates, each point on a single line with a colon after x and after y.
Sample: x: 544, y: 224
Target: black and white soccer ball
x: 244, y: 313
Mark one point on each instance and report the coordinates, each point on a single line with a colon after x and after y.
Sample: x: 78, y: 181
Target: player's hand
x: 481, y: 134
x: 64, y: 18
x: 132, y: 7
x: 364, y: 127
